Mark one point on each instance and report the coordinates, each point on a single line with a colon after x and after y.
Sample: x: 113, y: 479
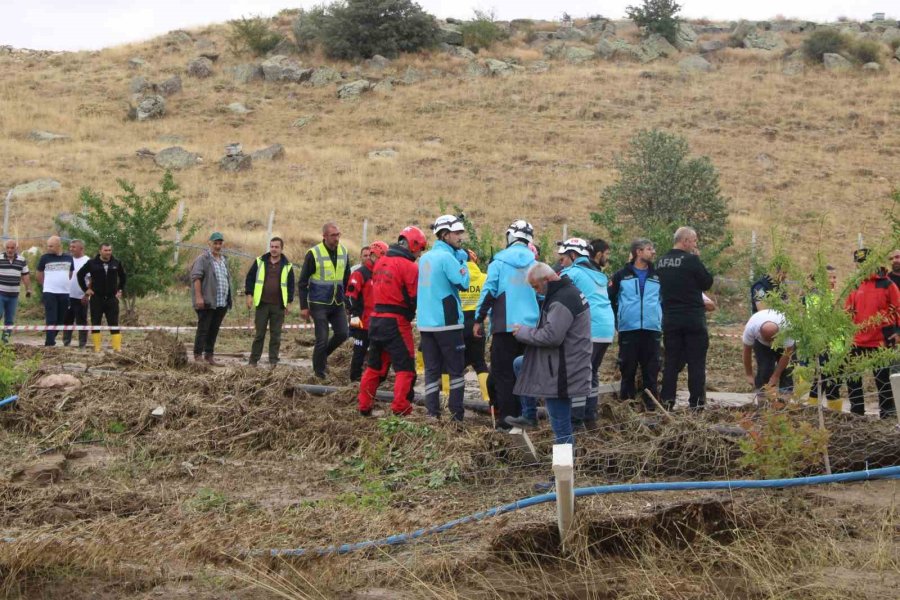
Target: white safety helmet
x: 519, y: 231
x: 576, y: 245
x: 451, y: 223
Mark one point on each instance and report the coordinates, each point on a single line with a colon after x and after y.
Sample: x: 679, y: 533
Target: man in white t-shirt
x: 771, y: 362
x: 54, y: 273
x: 77, y: 311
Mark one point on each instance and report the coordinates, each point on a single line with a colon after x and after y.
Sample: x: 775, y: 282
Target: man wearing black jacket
x: 102, y: 291
x: 682, y: 280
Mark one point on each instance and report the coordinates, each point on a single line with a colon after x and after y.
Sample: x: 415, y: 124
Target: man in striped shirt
x: 13, y: 274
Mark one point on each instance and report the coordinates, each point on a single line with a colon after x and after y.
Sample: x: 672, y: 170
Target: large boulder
x: 176, y: 158
x: 835, y: 62
x: 569, y: 33
x: 238, y: 108
x: 694, y: 64
x: 742, y: 29
x: 139, y: 85
x: 282, y: 68
x: 450, y: 34
x: 499, y: 68
x: 577, y: 55
x: 246, y: 73
x: 764, y: 40
x: 37, y: 135
x: 235, y: 163
x: 354, y: 89
x: 616, y: 49
x: 458, y: 51
x: 38, y: 187
x: 178, y: 37
x: 273, y: 152
x: 200, y: 67
x: 150, y: 107
x: 600, y: 25
x: 686, y: 37
x: 324, y: 76
x: 170, y: 86
x: 708, y: 46
x: 890, y: 35
x: 377, y: 63
x: 871, y: 66
x: 656, y: 46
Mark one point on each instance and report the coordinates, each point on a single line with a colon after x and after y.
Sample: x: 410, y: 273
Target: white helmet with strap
x: 576, y: 245
x: 450, y: 223
x: 519, y: 231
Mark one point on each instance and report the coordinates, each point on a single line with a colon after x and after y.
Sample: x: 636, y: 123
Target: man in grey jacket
x: 557, y: 363
x: 211, y: 293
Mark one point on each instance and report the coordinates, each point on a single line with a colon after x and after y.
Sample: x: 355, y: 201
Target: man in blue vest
x: 636, y: 299
x: 575, y: 258
x: 269, y: 288
x: 323, y: 280
x: 442, y: 274
x: 511, y: 302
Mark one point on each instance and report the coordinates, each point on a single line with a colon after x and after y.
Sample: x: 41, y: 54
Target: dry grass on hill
x: 802, y: 153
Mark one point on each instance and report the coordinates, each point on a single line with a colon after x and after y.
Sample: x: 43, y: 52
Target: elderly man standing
x: 77, y: 311
x: 13, y: 274
x: 323, y: 279
x: 557, y: 360
x: 211, y: 287
x: 682, y: 281
x: 54, y: 273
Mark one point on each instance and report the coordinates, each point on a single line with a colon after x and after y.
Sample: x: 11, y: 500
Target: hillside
x: 536, y: 140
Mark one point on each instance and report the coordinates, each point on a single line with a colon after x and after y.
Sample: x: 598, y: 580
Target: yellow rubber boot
x: 482, y: 384
x: 835, y: 405
x: 116, y: 341
x: 445, y: 384
x: 95, y: 337
x: 813, y: 400
x: 420, y: 363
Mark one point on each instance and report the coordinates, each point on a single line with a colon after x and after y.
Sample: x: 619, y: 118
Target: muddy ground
x: 102, y: 496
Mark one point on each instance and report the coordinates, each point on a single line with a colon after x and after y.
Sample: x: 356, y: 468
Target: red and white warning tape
x: 139, y: 328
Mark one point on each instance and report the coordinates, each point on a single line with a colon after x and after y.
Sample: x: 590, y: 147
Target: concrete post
x: 564, y: 472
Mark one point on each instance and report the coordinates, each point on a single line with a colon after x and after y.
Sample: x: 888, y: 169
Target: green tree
x: 659, y: 188
x: 481, y: 32
x: 354, y: 29
x: 656, y: 16
x: 253, y: 34
x: 134, y: 224
x: 307, y: 28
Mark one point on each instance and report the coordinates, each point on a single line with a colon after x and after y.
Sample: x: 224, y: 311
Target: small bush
x: 12, y: 375
x: 252, y: 34
x: 824, y: 41
x: 481, y: 32
x: 781, y: 448
x: 865, y: 51
x: 656, y: 16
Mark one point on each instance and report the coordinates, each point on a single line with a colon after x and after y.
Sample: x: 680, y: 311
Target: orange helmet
x: 414, y: 237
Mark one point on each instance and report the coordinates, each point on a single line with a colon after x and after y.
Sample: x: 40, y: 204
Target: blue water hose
x: 402, y: 538
x: 9, y: 400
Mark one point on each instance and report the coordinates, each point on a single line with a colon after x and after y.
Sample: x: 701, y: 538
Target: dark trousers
x: 504, y: 350
x: 360, y: 348
x: 390, y: 343
x: 108, y: 307
x: 444, y: 352
x: 588, y: 410
x: 886, y: 406
x: 268, y: 316
x: 55, y: 306
x: 766, y: 361
x: 685, y: 346
x: 76, y: 314
x: 639, y: 348
x: 324, y: 315
x: 475, y: 353
x: 208, y: 322
x: 831, y: 384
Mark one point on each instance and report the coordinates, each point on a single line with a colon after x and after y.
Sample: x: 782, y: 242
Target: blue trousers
x: 55, y: 307
x: 559, y: 410
x: 8, y: 306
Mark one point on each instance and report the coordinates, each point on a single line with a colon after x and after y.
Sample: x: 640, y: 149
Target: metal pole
x: 178, y: 232
x: 565, y: 231
x: 752, y: 257
x: 859, y: 240
x: 365, y: 235
x: 269, y: 230
x: 6, y: 215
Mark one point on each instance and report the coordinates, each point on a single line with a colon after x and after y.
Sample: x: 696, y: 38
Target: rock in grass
x: 694, y: 64
x: 37, y: 135
x: 36, y: 188
x: 273, y: 152
x: 176, y: 158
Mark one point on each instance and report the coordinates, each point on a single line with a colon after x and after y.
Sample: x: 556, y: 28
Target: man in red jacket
x: 361, y: 303
x: 394, y: 284
x: 875, y: 306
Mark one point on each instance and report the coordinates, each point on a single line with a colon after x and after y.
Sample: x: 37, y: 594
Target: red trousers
x: 390, y: 342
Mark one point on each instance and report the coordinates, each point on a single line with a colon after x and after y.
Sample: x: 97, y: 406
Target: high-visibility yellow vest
x: 261, y: 277
x: 469, y: 298
x: 326, y: 286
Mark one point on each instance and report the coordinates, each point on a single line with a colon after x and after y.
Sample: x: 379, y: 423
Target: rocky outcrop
x: 694, y: 64
x: 282, y: 68
x: 835, y: 62
x: 273, y: 152
x: 354, y: 89
x: 246, y: 73
x: 200, y: 67
x: 176, y: 158
x: 149, y: 107
x: 764, y: 40
x: 37, y: 187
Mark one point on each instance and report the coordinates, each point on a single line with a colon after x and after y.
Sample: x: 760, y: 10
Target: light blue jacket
x: 593, y: 283
x: 442, y: 274
x: 506, y: 295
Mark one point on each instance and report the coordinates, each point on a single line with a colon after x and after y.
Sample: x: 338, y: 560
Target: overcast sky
x: 94, y: 24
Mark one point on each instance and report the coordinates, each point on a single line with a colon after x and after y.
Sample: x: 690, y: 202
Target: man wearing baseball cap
x: 211, y: 293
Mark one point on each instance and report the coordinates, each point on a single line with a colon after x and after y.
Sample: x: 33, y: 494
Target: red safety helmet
x: 415, y: 239
x: 377, y: 250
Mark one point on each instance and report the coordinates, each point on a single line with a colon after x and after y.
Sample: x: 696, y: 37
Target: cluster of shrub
x: 832, y: 41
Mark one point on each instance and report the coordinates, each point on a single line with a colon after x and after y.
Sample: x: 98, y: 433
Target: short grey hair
x: 77, y: 241
x: 640, y: 243
x: 684, y: 233
x: 328, y: 226
x: 539, y: 271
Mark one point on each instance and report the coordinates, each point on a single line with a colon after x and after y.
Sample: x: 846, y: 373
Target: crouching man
x: 772, y: 363
x: 557, y: 363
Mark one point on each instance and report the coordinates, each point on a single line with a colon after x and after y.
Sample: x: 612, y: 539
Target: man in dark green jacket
x: 269, y: 287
